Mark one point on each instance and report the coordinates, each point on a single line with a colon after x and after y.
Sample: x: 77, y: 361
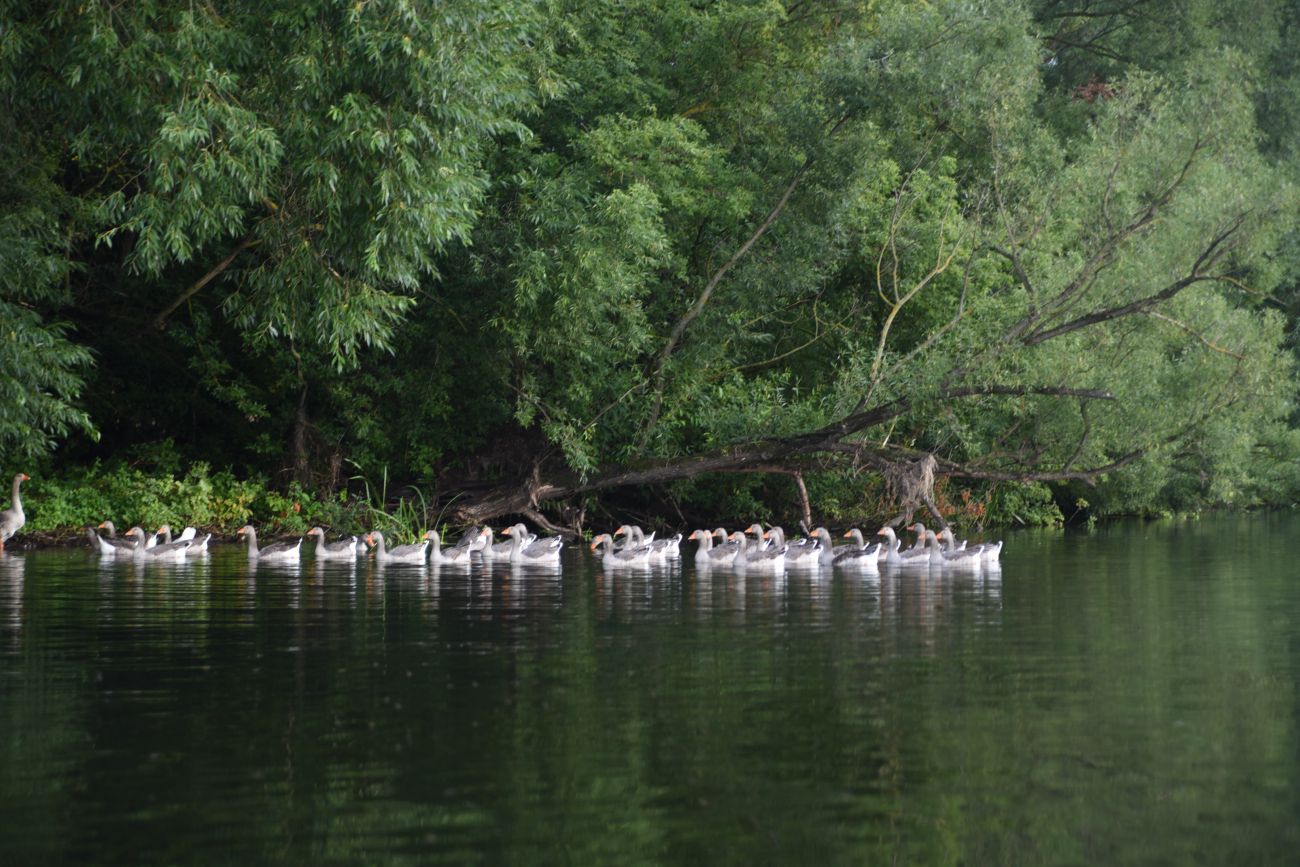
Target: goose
x: 919, y: 545
x: 475, y: 538
x: 415, y: 554
x: 757, y: 529
x: 110, y: 532
x: 12, y: 518
x: 493, y: 551
x: 892, y: 554
x: 103, y: 547
x: 776, y: 536
x: 109, y: 545
x: 167, y: 552
x: 858, y: 559
x: 166, y: 532
x: 629, y: 556
x: 857, y: 544
x: 635, y: 537
x: 758, y: 558
x: 952, y: 556
x: 722, y: 555
x: 277, y: 552
x: 660, y: 549
x: 931, y: 554
x: 198, y: 547
x: 825, y: 546
x: 544, y: 552
x: 988, y: 551
x: 992, y: 552
x: 344, y: 549
x: 459, y: 555
x: 803, y: 553
x: 129, y: 542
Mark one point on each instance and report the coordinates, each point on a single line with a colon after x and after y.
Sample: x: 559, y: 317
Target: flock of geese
x: 758, y: 550
x: 160, y: 546
x: 755, y: 549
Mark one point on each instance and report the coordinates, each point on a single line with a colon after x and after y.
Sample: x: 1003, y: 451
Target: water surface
x: 1127, y: 696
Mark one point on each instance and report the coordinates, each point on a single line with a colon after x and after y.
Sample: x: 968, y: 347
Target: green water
x: 1122, y: 697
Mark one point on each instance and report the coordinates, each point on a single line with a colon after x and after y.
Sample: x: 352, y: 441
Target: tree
x: 305, y: 162
x: 1030, y: 242
x: 1026, y: 288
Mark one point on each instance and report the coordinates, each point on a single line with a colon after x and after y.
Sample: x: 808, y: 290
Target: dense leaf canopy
x: 562, y: 248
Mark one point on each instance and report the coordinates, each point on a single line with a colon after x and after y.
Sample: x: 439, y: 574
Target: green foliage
x: 569, y: 238
x: 1026, y: 505
x: 199, y: 497
x: 331, y: 151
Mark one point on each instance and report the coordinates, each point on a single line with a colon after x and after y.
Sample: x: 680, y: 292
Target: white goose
x: 344, y: 549
x: 198, y: 547
x: 12, y: 519
x: 754, y: 557
x: 708, y: 554
x: 460, y: 555
x: 109, y: 545
x: 805, y: 553
x: 277, y: 552
x: 166, y: 552
x: 858, y: 543
x: 954, y: 557
x: 409, y: 555
x: 501, y: 551
x: 630, y: 556
x: 988, y: 552
x: 660, y: 549
x: 892, y: 554
x: 475, y: 538
x: 542, y: 552
x: 860, y: 557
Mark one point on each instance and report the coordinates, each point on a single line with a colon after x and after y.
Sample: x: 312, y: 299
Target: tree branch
x: 675, y: 336
x: 161, y: 319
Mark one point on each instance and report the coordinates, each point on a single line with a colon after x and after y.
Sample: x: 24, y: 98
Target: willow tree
x: 858, y: 241
x: 294, y: 167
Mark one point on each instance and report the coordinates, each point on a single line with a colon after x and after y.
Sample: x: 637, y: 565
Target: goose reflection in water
x: 12, y: 570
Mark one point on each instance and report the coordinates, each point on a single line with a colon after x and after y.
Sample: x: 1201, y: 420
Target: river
x: 1121, y: 696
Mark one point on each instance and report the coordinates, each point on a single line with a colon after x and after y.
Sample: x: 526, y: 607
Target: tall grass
x: 404, y: 521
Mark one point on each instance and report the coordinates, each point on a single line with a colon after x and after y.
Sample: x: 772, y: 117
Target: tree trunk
x: 301, y: 458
